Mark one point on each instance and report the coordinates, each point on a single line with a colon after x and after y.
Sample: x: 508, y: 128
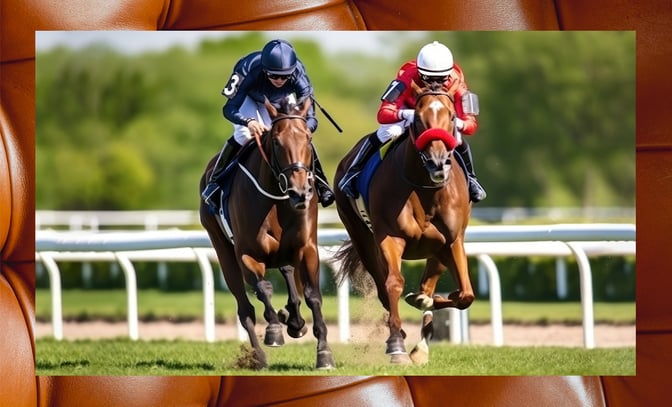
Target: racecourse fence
x: 482, y: 242
x: 160, y: 219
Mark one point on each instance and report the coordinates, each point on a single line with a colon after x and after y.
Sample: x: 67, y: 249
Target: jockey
x: 433, y: 64
x: 274, y: 73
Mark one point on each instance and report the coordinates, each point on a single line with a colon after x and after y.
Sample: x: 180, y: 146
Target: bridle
x: 417, y: 128
x: 280, y: 172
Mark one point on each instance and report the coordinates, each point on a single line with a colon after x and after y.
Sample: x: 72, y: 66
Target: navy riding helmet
x: 278, y: 58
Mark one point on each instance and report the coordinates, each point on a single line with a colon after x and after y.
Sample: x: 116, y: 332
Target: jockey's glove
x: 407, y: 115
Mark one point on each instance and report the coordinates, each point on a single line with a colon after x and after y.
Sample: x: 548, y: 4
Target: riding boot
x: 324, y: 191
x: 347, y: 182
x: 476, y: 191
x: 212, y: 188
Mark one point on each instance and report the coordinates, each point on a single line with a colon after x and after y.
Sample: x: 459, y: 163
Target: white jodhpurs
x: 252, y: 109
x: 390, y: 131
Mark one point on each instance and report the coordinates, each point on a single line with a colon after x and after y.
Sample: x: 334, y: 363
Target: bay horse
x: 273, y: 221
x: 418, y: 208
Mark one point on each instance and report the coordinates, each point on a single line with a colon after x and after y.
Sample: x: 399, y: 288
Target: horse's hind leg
x: 291, y: 314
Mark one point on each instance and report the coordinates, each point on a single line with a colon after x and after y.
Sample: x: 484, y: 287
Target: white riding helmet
x: 435, y: 59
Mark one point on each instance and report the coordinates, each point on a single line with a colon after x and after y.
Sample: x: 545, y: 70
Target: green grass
x: 179, y: 358
x: 153, y: 304
x: 122, y: 356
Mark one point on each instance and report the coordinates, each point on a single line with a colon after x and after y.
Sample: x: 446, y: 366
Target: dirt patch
x: 514, y: 335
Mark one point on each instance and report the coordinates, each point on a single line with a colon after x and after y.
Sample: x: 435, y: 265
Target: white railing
x: 579, y: 240
x: 161, y: 219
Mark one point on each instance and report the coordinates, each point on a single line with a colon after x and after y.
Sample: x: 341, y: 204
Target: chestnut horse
x: 273, y: 223
x: 418, y: 208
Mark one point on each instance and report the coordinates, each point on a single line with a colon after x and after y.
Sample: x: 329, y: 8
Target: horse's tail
x: 352, y: 269
x: 350, y: 262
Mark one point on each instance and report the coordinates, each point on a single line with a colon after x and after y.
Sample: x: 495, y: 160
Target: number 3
x: 232, y: 86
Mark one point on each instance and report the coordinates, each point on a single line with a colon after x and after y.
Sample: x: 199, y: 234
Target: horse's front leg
x: 233, y: 276
x: 310, y: 275
x: 392, y: 249
x: 264, y: 290
x: 424, y: 300
x: 291, y: 314
x: 458, y: 265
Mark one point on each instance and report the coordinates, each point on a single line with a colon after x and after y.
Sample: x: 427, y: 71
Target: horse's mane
x: 290, y: 106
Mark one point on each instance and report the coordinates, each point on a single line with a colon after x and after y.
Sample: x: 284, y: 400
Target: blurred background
x: 128, y: 120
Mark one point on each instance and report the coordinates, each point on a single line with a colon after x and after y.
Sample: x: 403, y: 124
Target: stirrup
x: 346, y: 184
x: 326, y: 196
x: 209, y: 192
x: 476, y: 191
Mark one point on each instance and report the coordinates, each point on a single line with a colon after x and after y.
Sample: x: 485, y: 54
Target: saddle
x: 224, y: 182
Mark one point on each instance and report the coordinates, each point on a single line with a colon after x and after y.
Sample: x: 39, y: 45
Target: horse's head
x: 433, y: 128
x: 290, y: 151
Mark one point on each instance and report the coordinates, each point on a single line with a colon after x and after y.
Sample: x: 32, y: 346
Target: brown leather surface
x: 507, y: 391
x: 19, y: 19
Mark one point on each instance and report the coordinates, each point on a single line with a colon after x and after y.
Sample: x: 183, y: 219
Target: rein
x: 278, y: 173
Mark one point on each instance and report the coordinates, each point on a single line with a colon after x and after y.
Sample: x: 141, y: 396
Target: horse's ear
x: 307, y: 102
x: 272, y: 111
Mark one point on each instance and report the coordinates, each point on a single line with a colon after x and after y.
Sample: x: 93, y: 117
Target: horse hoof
x: 395, y: 345
x: 259, y: 363
x: 420, y: 301
x: 294, y: 333
x: 420, y: 354
x: 274, y: 336
x: 283, y: 315
x: 254, y: 359
x: 400, y: 359
x: 325, y: 360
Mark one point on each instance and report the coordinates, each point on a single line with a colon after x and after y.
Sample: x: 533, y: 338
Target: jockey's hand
x: 407, y: 115
x: 459, y: 123
x: 256, y: 128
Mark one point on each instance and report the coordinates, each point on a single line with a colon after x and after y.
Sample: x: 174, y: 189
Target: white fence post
x: 131, y: 295
x: 586, y: 278
x: 56, y: 300
x: 208, y: 294
x: 581, y: 241
x: 495, y: 299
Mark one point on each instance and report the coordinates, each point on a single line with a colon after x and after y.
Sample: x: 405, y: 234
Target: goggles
x: 276, y: 76
x: 433, y: 79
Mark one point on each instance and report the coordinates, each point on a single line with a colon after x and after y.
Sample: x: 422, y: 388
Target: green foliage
x: 557, y: 123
